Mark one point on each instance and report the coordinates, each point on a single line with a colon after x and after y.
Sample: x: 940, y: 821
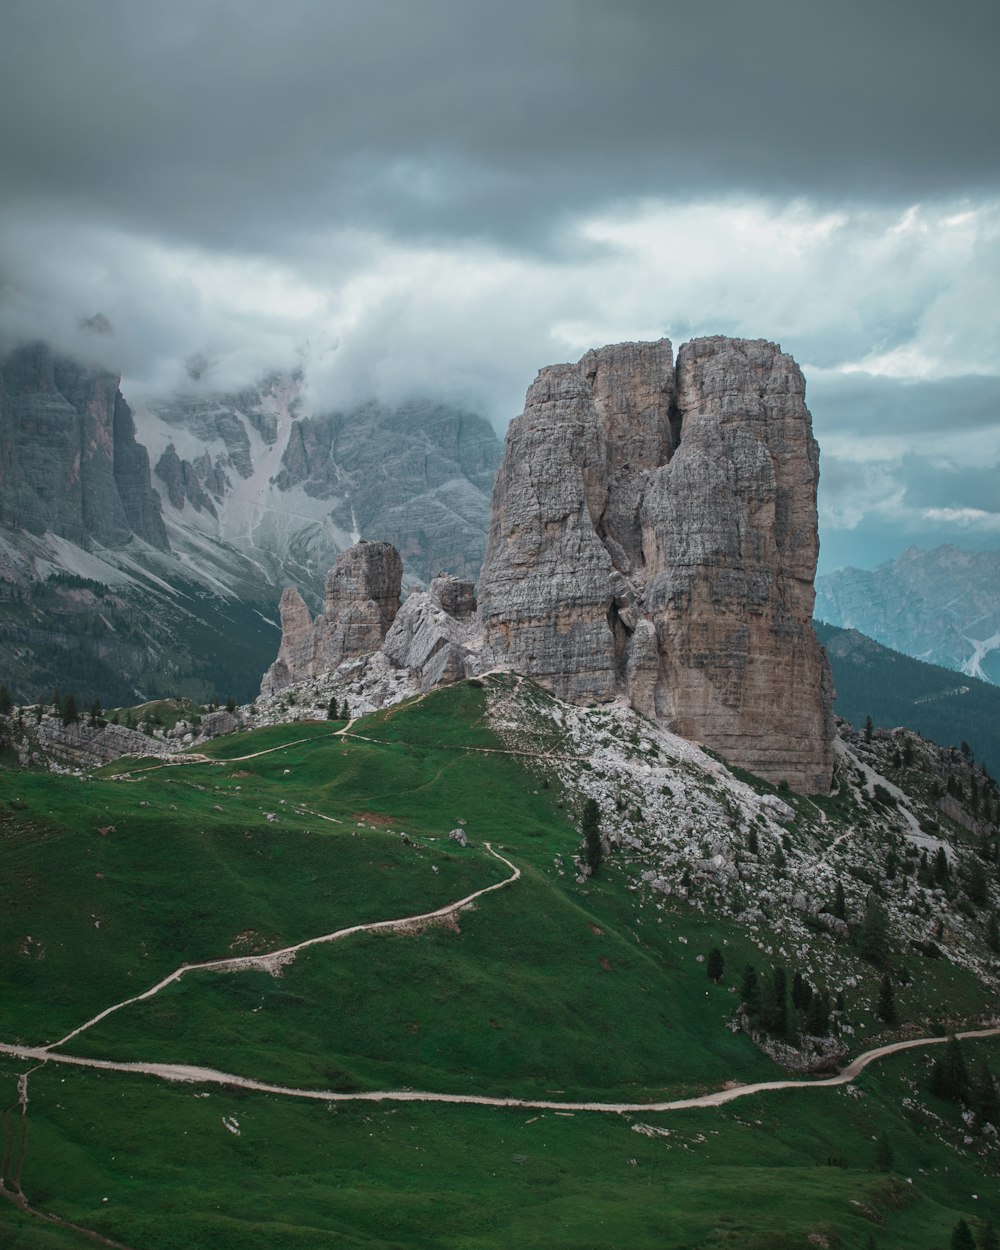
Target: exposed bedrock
x: 362, y: 599
x: 653, y: 533
x: 69, y: 460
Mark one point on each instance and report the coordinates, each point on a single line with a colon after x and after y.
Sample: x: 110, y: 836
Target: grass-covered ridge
x: 590, y: 988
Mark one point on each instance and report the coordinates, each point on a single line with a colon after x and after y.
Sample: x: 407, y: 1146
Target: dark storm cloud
x: 440, y: 196
x: 859, y: 404
x: 252, y: 123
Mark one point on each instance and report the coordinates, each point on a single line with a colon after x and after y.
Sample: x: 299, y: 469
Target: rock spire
x: 653, y: 533
x: 361, y: 602
x: 653, y: 536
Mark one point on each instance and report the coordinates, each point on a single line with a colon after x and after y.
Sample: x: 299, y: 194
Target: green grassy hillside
x: 554, y: 986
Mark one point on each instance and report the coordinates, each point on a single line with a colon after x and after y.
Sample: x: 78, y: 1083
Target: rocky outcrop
x: 362, y: 599
x: 69, y: 460
x: 184, y: 481
x: 50, y: 743
x: 653, y: 533
x: 434, y: 634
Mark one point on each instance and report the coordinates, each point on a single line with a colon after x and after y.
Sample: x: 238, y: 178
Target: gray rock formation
x: 362, y: 599
x: 653, y: 533
x: 184, y: 480
x: 69, y: 460
x: 434, y: 633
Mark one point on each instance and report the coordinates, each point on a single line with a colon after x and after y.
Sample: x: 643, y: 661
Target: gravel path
x: 277, y: 958
x: 211, y: 1076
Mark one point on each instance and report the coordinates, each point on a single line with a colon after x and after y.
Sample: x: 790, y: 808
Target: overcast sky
x: 441, y: 196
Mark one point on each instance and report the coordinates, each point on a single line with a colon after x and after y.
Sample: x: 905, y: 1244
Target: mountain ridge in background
x: 144, y: 554
x: 941, y: 605
x: 896, y: 690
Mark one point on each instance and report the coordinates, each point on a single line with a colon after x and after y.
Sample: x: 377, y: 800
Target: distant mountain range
x: 896, y: 690
x: 143, y: 553
x: 942, y: 606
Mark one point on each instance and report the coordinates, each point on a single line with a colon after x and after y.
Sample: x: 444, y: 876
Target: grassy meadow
x: 546, y: 988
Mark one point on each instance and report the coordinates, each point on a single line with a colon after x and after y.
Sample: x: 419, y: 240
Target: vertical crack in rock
x: 653, y: 536
x: 691, y: 589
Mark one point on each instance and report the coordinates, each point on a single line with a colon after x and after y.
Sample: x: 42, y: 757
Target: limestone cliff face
x: 653, y: 533
x: 69, y: 460
x: 652, y: 536
x: 362, y: 599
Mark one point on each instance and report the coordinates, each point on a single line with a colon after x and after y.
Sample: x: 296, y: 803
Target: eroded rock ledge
x: 653, y: 536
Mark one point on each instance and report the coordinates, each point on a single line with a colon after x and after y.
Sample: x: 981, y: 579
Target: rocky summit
x: 362, y: 599
x: 653, y: 537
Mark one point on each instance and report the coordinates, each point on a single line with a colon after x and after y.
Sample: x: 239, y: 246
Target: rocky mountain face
x: 654, y: 532
x: 418, y: 476
x: 653, y: 537
x: 259, y: 472
x: 145, y: 557
x: 942, y: 606
x: 69, y: 460
x: 95, y: 596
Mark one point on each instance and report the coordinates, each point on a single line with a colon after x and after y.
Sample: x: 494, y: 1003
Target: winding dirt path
x: 211, y: 1076
x: 277, y: 958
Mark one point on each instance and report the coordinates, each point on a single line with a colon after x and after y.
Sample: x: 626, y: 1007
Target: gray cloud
x: 250, y: 123
x: 854, y: 405
x: 442, y: 197
x: 906, y: 462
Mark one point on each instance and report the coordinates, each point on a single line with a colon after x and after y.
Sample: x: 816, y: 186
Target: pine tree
x: 774, y: 1014
x: 949, y: 1075
x: 940, y: 870
x: 68, y: 713
x: 961, y: 1238
x: 750, y: 992
x: 230, y: 705
x: 95, y: 712
x: 873, y: 935
x: 818, y: 1016
x: 590, y: 827
x: 993, y: 933
x: 868, y: 729
x: 986, y: 1100
x: 976, y: 885
x: 988, y: 1238
x: 886, y: 1009
x: 883, y: 1154
x: 839, y: 902
x: 801, y: 992
x: 715, y: 965
x: 6, y: 702
x: 331, y: 711
x: 753, y: 846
